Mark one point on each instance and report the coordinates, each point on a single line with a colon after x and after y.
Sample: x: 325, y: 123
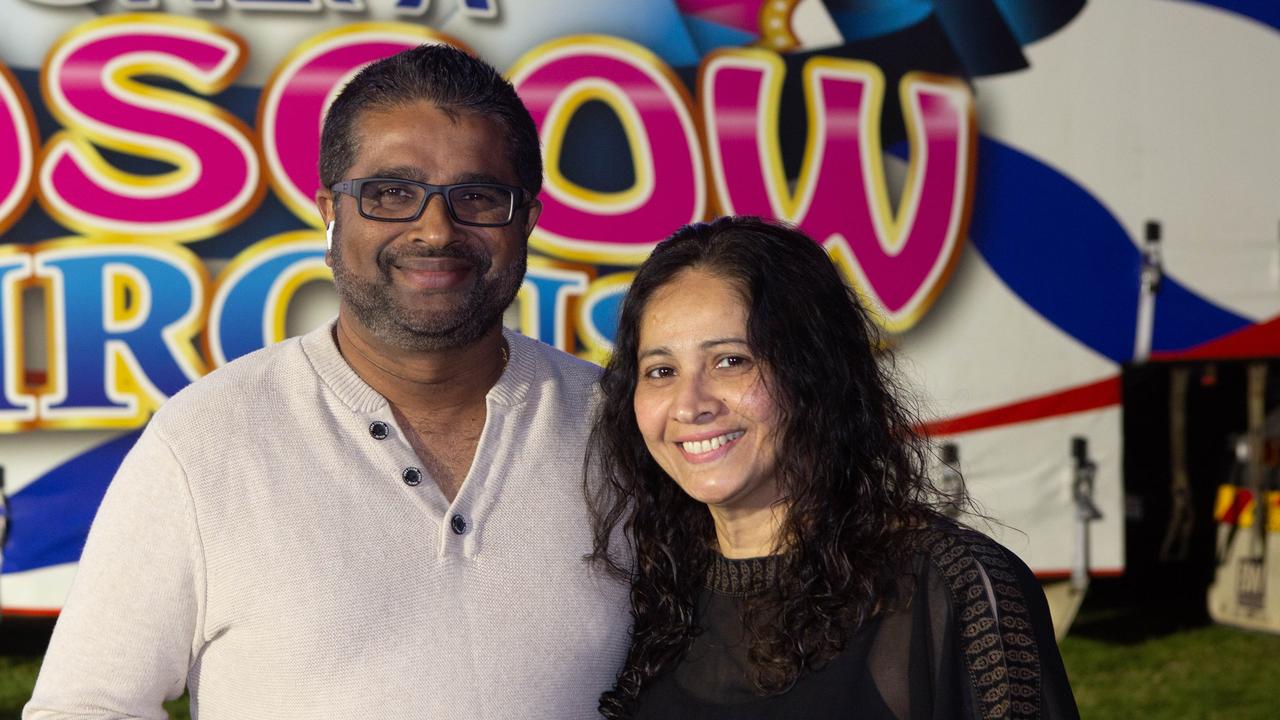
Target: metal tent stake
x: 1086, y: 510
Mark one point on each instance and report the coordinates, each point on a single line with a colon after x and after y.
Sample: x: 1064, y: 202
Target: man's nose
x: 435, y: 225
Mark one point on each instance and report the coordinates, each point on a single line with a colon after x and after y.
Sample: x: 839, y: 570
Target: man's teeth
x: 697, y: 447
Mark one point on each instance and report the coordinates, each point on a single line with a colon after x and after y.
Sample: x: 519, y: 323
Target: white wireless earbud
x: 328, y: 236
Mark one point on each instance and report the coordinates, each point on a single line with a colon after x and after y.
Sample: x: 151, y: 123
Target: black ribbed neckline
x: 744, y: 576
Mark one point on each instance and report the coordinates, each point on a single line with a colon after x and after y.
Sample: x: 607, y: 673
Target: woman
x: 765, y: 494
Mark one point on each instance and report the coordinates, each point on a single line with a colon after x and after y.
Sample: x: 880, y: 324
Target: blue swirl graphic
x: 49, y: 518
x: 1064, y: 254
x: 1266, y: 12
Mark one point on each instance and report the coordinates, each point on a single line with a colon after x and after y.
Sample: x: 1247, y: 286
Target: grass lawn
x: 1124, y: 662
x: 1206, y: 672
x: 1146, y: 649
x: 18, y: 677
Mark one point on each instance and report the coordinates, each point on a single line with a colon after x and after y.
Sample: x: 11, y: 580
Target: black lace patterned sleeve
x: 994, y: 638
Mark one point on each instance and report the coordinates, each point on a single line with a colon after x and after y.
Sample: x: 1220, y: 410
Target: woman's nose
x: 694, y: 400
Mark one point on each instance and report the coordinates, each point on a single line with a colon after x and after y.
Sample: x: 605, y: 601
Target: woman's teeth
x: 698, y: 447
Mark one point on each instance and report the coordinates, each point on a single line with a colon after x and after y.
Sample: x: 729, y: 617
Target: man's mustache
x: 458, y: 251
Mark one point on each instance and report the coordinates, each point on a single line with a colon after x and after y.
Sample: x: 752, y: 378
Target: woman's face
x: 701, y: 399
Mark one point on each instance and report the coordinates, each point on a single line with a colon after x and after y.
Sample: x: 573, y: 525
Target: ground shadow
x: 24, y: 636
x: 1127, y: 611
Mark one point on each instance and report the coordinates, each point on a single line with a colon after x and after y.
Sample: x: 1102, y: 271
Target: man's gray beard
x: 409, y: 328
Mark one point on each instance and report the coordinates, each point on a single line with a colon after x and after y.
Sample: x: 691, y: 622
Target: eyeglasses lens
x: 477, y: 203
x: 481, y: 204
x: 390, y: 200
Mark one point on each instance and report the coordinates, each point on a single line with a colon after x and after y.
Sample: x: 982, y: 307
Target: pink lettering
x: 899, y: 261
x: 292, y: 106
x: 554, y: 80
x: 91, y: 87
x: 17, y: 150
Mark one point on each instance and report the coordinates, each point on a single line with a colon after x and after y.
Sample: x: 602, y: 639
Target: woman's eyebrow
x: 704, y: 345
x: 707, y: 344
x: 650, y: 352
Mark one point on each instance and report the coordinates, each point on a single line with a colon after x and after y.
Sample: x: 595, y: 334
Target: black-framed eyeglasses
x: 397, y: 200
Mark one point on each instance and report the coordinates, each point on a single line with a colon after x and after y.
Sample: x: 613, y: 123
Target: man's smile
x: 433, y: 273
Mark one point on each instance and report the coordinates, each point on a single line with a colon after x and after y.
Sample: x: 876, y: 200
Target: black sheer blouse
x: 974, y: 640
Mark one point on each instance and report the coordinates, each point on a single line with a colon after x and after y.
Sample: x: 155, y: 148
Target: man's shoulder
x: 240, y: 386
x: 555, y: 364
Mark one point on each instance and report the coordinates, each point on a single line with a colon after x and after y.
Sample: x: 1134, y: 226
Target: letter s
x: 90, y: 83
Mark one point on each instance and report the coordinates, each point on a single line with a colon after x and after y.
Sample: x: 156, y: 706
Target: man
x: 383, y: 518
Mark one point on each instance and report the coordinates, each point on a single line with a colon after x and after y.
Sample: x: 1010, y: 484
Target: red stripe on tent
x: 1103, y: 393
x: 31, y: 612
x: 1256, y: 341
x: 1052, y: 575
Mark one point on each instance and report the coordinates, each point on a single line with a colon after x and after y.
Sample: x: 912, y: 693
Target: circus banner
x: 981, y: 173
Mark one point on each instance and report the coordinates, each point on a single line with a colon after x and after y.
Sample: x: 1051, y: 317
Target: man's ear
x: 324, y: 204
x: 531, y: 213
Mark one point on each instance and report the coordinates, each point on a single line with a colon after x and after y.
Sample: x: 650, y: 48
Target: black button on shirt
x: 378, y: 430
x: 412, y: 476
x: 459, y: 524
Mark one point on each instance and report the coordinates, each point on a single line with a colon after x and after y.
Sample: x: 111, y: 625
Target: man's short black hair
x: 445, y: 76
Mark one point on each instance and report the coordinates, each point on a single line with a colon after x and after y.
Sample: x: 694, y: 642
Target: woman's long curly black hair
x: 851, y: 468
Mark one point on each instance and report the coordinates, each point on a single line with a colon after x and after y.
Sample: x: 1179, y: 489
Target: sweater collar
x: 321, y: 348
x: 742, y: 576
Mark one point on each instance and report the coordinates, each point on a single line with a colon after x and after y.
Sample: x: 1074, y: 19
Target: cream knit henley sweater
x: 264, y: 544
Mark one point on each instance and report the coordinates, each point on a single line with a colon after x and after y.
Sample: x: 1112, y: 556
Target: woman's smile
x: 709, y: 448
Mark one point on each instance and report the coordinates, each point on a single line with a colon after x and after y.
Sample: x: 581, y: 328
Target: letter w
x: 898, y: 262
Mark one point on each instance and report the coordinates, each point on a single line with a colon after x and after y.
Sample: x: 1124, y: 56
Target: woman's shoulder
x: 984, y: 581
x: 963, y: 555
x: 997, y: 612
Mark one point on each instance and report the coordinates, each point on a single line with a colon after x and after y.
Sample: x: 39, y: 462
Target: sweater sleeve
x: 128, y: 632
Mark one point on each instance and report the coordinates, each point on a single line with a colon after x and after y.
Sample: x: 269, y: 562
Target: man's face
x: 428, y: 284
